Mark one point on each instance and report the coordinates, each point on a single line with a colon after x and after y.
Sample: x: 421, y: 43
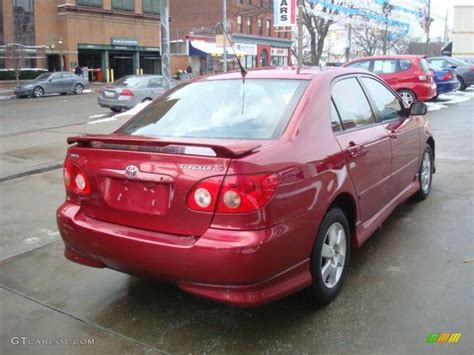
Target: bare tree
x: 23, y: 31
x: 318, y: 27
x: 368, y: 39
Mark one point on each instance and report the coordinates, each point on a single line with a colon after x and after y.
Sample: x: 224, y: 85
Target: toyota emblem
x: 131, y: 171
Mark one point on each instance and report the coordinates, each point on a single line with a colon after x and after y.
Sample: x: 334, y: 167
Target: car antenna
x: 243, y: 72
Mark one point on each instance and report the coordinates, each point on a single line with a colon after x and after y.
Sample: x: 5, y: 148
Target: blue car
x: 445, y: 80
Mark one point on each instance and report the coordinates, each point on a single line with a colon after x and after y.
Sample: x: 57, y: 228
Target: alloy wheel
x: 78, y: 89
x: 333, y: 255
x: 425, y: 178
x: 38, y: 92
x: 407, y: 97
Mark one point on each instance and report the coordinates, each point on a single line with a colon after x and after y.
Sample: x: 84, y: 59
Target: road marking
x: 102, y: 120
x: 99, y: 116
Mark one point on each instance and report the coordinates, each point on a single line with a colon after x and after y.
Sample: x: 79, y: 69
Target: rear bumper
x: 425, y: 92
x: 242, y: 268
x: 444, y: 87
x: 126, y: 104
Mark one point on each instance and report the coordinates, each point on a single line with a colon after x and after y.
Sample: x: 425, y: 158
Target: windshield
x: 228, y: 109
x: 456, y: 61
x: 129, y: 81
x: 43, y: 76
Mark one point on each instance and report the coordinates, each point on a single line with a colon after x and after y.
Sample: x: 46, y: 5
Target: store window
x: 249, y: 25
x: 124, y: 5
x: 260, y: 26
x: 269, y: 28
x: 151, y: 6
x: 250, y: 61
x: 96, y: 3
x: 239, y: 24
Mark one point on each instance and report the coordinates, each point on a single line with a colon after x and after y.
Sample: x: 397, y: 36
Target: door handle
x: 393, y: 135
x: 353, y: 149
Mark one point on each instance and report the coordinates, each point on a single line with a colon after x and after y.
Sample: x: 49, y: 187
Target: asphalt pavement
x: 412, y: 278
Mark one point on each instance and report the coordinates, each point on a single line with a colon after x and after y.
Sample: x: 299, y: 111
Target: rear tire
x: 78, y: 89
x: 116, y: 109
x: 408, y: 96
x: 146, y: 99
x: 462, y: 85
x: 425, y: 174
x: 330, y: 257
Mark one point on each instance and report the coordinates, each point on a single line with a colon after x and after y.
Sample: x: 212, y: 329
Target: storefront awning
x: 203, y: 48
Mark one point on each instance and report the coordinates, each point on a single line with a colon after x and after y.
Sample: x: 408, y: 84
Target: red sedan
x: 409, y: 75
x: 245, y: 191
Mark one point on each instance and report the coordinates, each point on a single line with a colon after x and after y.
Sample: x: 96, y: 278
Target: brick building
x: 250, y: 23
x: 120, y: 34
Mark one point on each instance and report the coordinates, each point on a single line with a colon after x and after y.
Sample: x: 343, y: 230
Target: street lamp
x: 60, y: 42
x: 387, y: 10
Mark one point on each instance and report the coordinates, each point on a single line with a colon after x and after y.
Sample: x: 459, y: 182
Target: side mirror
x: 453, y: 67
x: 418, y: 109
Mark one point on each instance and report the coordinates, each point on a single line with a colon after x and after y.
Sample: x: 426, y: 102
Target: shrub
x: 26, y: 74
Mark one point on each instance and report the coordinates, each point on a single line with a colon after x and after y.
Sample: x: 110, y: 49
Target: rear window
x: 425, y: 66
x: 129, y: 81
x: 386, y: 66
x: 360, y: 65
x: 227, y: 109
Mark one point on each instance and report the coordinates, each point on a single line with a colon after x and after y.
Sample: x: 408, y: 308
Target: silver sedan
x: 130, y: 90
x: 53, y: 83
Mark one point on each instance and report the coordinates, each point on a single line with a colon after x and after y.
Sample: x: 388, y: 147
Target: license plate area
x: 136, y: 196
x: 109, y: 94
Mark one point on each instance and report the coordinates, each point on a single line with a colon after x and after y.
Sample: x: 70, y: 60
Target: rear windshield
x: 425, y: 66
x: 227, y: 109
x: 129, y: 81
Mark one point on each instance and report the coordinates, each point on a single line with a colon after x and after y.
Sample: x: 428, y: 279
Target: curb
x: 31, y: 172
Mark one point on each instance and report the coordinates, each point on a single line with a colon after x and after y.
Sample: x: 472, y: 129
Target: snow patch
x: 99, y: 116
x: 102, y: 120
x: 133, y: 111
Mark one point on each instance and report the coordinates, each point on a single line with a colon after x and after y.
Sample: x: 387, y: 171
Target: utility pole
x: 446, y: 29
x: 224, y: 23
x: 428, y: 25
x: 300, y: 35
x: 349, y: 40
x: 387, y: 10
x: 165, y: 43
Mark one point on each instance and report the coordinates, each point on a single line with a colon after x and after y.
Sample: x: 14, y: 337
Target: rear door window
x: 361, y: 65
x: 386, y: 66
x: 386, y: 102
x: 405, y: 64
x: 352, y: 104
x: 155, y: 83
x: 225, y: 109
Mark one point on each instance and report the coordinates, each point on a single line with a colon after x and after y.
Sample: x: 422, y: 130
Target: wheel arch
x: 346, y: 202
x: 431, y: 143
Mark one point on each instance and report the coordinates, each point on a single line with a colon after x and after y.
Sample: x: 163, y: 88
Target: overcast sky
x: 438, y: 12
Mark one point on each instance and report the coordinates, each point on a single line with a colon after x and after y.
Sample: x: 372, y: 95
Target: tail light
x: 126, y: 92
x: 447, y: 76
x: 422, y: 77
x: 75, y: 180
x: 238, y: 194
x: 471, y: 69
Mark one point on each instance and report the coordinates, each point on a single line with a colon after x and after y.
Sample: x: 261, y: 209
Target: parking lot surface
x: 413, y: 277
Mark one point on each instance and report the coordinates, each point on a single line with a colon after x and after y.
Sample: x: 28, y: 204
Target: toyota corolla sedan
x: 246, y: 190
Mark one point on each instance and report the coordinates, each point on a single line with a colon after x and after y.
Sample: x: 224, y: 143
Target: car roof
x: 397, y: 56
x: 306, y: 73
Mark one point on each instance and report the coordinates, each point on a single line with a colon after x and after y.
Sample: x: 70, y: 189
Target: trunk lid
x: 144, y: 183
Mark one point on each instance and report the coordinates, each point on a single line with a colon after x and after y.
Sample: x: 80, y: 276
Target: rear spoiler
x: 234, y: 149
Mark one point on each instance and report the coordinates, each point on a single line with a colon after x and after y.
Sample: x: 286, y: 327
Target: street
x: 412, y: 278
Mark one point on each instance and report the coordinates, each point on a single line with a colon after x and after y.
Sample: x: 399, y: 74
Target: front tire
x: 425, y: 174
x: 330, y: 257
x: 38, y: 92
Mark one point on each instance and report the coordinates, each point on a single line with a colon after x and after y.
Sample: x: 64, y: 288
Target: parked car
x: 239, y: 191
x: 445, y: 80
x: 53, y: 83
x: 409, y: 75
x: 130, y: 90
x: 464, y: 70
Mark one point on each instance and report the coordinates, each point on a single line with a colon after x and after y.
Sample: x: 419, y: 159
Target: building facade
x: 250, y: 25
x: 463, y: 31
x: 122, y: 35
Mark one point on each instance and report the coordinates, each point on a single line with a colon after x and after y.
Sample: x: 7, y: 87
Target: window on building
x: 351, y: 103
x: 260, y: 26
x: 97, y: 3
x: 249, y: 25
x: 124, y: 5
x: 269, y: 28
x: 24, y: 22
x: 151, y: 6
x: 239, y: 24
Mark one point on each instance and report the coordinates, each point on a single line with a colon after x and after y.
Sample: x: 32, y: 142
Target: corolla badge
x: 131, y: 171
